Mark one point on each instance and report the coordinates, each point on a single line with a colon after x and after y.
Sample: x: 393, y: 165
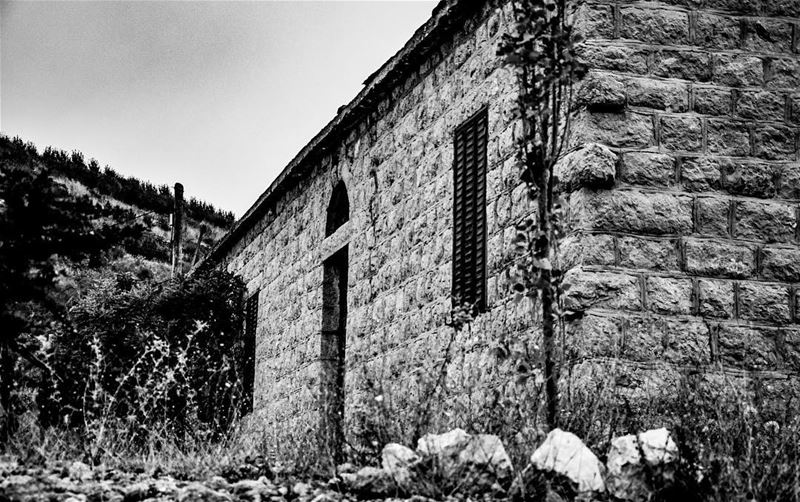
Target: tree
x: 541, y: 49
x: 41, y: 225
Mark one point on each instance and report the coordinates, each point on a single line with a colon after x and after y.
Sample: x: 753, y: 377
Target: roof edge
x: 443, y: 21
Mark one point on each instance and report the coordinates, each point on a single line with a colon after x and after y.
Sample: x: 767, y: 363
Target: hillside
x: 128, y: 200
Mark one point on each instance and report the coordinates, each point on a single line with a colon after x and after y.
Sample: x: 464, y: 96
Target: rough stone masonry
x: 683, y: 183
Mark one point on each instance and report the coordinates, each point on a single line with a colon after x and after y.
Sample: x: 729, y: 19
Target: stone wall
x: 692, y: 259
x: 683, y: 191
x: 397, y: 166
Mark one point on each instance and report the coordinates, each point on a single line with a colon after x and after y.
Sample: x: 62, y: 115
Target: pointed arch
x: 338, y: 208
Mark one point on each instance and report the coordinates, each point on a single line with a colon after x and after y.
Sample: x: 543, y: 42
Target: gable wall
x: 397, y: 167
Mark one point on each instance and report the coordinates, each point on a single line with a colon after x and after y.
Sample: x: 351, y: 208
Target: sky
x: 217, y: 95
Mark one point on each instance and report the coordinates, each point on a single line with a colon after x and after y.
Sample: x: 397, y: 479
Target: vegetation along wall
x: 682, y: 250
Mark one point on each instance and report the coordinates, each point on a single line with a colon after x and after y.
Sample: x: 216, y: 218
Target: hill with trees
x: 126, y: 199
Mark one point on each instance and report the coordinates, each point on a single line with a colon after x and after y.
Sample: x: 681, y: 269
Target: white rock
x: 658, y: 446
x: 449, y: 443
x: 626, y: 477
x: 564, y: 453
x: 396, y: 460
x: 165, y: 485
x: 301, y: 489
x: 80, y: 471
x: 487, y: 452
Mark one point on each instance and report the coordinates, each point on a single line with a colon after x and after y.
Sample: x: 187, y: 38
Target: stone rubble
x: 630, y: 457
x: 474, y: 463
x: 564, y: 453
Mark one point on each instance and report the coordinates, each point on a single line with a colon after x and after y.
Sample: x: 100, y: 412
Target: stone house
x: 683, y: 190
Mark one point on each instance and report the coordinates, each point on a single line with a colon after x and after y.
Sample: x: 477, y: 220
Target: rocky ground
x: 453, y: 466
x: 76, y: 482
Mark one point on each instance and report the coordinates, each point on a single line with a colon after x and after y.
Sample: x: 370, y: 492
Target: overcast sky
x: 217, y: 95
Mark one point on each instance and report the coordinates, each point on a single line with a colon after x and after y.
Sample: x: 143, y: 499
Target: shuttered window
x: 469, y: 212
x: 248, y: 356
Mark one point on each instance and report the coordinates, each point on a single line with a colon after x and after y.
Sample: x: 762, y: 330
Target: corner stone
x: 591, y: 166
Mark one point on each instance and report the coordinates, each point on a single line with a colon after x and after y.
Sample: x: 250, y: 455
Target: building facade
x: 682, y: 189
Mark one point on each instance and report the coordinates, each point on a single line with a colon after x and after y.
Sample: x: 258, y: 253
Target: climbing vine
x: 540, y: 48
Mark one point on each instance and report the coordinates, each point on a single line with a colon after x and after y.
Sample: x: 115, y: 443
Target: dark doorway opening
x: 332, y: 352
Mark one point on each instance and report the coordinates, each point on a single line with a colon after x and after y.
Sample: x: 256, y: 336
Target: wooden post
x: 177, y: 232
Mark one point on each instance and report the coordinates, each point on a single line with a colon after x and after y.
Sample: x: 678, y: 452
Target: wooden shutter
x: 469, y: 212
x: 248, y: 362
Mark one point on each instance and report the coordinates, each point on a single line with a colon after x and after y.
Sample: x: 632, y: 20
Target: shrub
x: 144, y: 357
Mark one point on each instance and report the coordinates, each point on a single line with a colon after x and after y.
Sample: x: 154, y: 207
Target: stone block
x: 653, y: 254
x: 735, y: 6
x: 617, y: 130
x: 774, y: 142
x: 601, y: 92
x: 795, y: 108
x: 628, y: 211
x: 787, y: 8
x: 755, y: 179
x: 648, y: 169
x: 667, y: 295
x: 601, y: 290
x: 727, y: 137
x: 658, y: 94
x: 748, y: 348
x: 595, y: 336
x: 764, y: 221
x: 761, y: 105
x: 717, y: 32
x: 594, y: 21
x: 790, y: 352
x: 767, y: 35
x: 591, y: 166
x: 711, y: 258
x: 681, y: 133
x: 790, y: 181
x: 675, y: 341
x: 738, y: 70
x: 615, y: 58
x: 700, y: 174
x: 780, y: 264
x: 764, y: 302
x: 657, y: 26
x: 688, y: 65
x: 715, y: 298
x: 784, y: 74
x: 587, y: 249
x: 712, y: 101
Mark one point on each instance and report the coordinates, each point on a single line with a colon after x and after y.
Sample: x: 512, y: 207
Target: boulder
x: 486, y: 452
x: 447, y: 444
x: 398, y: 460
x: 564, y: 453
x: 630, y: 458
x: 459, y: 452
